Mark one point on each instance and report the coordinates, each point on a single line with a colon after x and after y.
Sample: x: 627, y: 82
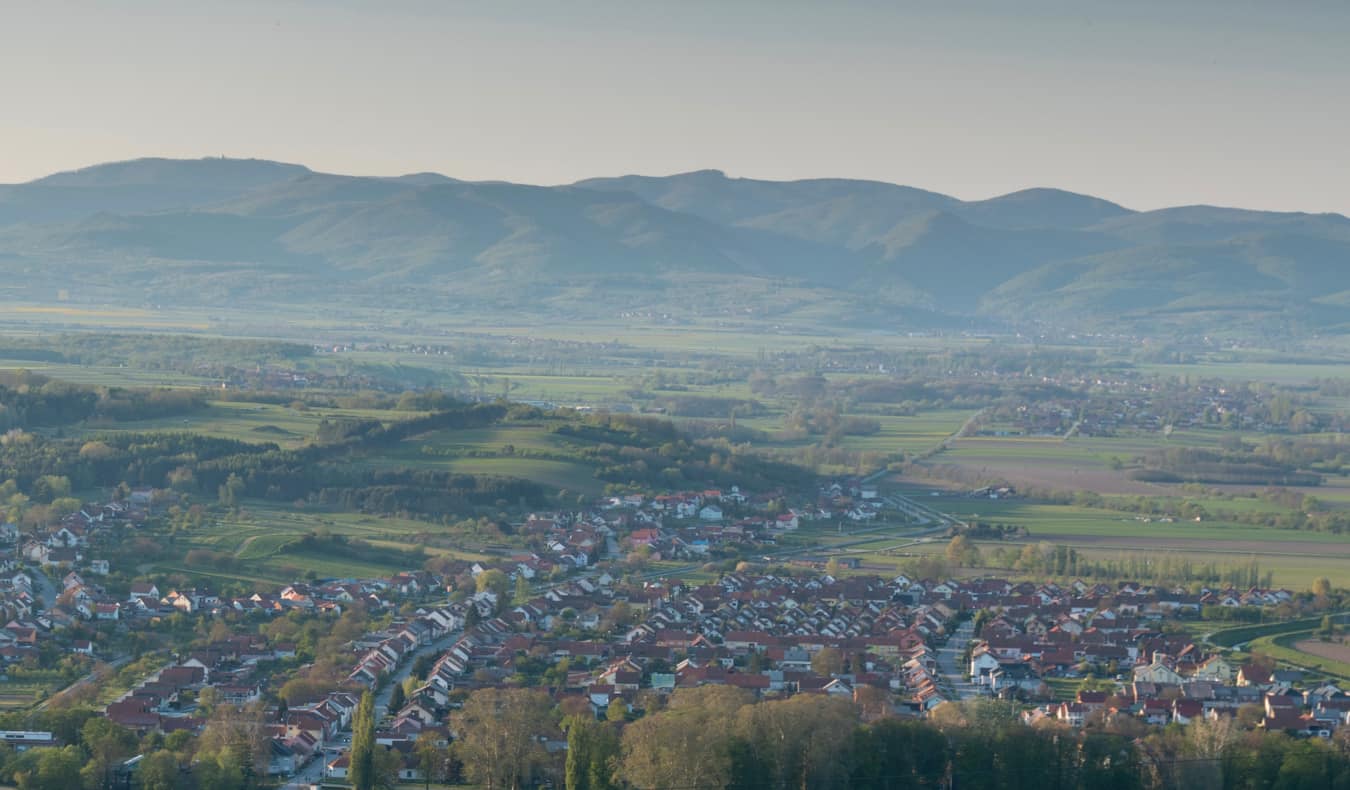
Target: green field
x: 108, y: 375
x: 503, y: 450
x: 917, y: 434
x: 1282, y: 648
x: 263, y: 541
x: 254, y: 422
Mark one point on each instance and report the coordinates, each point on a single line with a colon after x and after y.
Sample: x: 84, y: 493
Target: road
x: 312, y: 773
x: 43, y: 587
x: 921, y: 513
x: 955, y: 679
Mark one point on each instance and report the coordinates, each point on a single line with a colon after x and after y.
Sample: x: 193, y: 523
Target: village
x: 580, y: 615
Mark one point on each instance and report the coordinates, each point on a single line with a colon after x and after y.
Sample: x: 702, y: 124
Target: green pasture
x: 1048, y: 521
x: 258, y: 423
x: 570, y: 475
x: 262, y: 543
x: 521, y: 436
x: 917, y: 434
x: 108, y: 375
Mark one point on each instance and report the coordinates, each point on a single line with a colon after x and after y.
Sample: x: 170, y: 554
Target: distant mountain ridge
x: 858, y: 252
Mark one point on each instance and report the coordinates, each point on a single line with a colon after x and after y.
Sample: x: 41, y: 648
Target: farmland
x: 709, y: 367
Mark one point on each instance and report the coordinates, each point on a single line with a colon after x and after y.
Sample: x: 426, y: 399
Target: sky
x: 1145, y: 103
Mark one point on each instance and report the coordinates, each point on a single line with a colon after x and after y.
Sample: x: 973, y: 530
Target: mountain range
x: 217, y: 232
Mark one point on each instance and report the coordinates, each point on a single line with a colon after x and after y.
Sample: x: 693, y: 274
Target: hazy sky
x: 1146, y: 103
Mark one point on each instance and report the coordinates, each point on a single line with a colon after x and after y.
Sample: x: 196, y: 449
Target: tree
x: 499, y: 731
x: 433, y: 759
x: 397, y: 699
x: 493, y: 581
x: 218, y: 774
x: 158, y: 770
x: 230, y: 491
x: 236, y: 740
x: 107, y: 743
x: 873, y: 702
x: 362, y: 768
x: 962, y: 552
x: 827, y: 661
x: 801, y: 741
x: 592, y: 754
x: 384, y: 765
x: 686, y: 745
x: 620, y: 615
x: 1321, y: 589
x: 63, y: 506
x: 522, y: 594
x: 898, y: 753
x: 57, y: 769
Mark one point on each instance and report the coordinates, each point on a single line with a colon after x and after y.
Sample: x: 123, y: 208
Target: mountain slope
x: 819, y: 250
x: 138, y: 186
x: 440, y: 235
x: 840, y: 212
x: 956, y: 263
x: 1244, y: 278
x: 1042, y: 208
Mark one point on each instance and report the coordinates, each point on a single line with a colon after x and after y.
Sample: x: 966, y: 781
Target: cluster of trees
x: 152, y: 352
x: 717, y: 736
x: 319, y: 646
x: 649, y: 452
x: 349, y: 548
x: 1058, y: 560
x: 48, y: 497
x: 701, y: 406
x: 230, y: 754
x: 28, y: 400
x: 829, y: 422
x: 1197, y: 465
x: 370, y: 434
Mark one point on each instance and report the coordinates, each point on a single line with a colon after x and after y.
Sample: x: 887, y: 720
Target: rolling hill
x: 203, y: 231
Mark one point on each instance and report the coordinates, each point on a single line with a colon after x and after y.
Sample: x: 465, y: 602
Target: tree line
x: 719, y: 737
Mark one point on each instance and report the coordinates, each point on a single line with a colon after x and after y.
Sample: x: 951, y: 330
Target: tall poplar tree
x: 362, y: 769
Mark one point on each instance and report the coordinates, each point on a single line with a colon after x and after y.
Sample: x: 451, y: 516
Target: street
x: 956, y: 680
x: 43, y: 587
x: 312, y: 773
